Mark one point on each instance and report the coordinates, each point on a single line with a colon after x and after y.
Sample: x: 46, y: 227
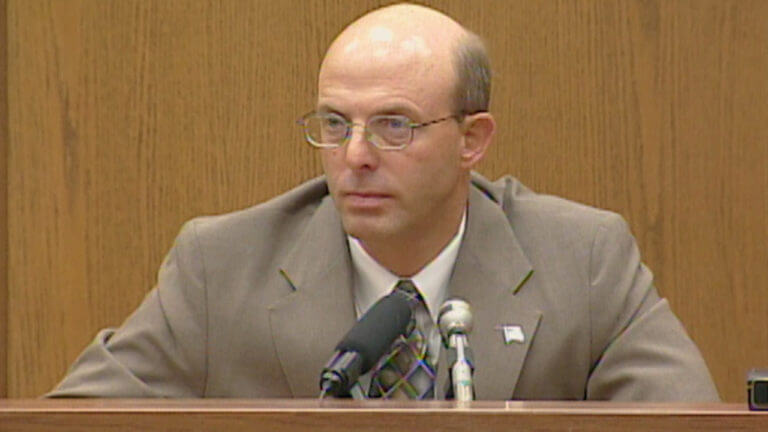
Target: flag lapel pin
x: 511, y: 333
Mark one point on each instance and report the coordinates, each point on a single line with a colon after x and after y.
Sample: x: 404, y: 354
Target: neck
x: 406, y: 256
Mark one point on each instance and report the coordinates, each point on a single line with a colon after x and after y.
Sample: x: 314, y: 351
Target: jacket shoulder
x: 261, y: 232
x: 528, y: 210
x: 279, y: 213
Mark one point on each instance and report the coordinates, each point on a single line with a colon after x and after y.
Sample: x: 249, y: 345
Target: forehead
x: 361, y: 75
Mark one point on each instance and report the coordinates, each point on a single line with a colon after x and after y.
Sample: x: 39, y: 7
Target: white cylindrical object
x: 461, y: 373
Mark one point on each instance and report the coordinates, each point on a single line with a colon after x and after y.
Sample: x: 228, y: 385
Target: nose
x: 360, y: 153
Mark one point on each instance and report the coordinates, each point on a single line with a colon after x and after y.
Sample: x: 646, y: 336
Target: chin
x: 367, y: 227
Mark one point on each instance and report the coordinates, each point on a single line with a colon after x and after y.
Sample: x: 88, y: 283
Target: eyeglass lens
x: 328, y: 130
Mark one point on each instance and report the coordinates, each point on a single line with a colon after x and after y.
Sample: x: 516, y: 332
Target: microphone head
x: 374, y: 333
x: 455, y: 316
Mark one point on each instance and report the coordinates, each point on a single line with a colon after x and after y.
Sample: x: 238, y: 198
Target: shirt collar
x: 374, y: 281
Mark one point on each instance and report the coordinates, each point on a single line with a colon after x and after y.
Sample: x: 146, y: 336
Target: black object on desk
x: 757, y: 389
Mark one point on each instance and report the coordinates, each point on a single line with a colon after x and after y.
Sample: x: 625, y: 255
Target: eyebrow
x: 399, y: 109
x: 324, y: 108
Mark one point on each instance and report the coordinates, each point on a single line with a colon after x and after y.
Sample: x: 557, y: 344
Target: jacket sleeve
x: 640, y: 350
x: 160, y: 350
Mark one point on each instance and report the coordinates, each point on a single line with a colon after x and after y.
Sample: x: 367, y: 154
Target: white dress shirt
x: 372, y: 281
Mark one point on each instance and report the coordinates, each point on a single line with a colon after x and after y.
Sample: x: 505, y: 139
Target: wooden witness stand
x: 346, y: 415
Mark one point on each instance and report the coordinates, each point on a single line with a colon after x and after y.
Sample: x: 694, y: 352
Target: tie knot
x: 407, y: 287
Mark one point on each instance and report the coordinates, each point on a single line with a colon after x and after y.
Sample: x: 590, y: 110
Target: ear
x: 478, y: 130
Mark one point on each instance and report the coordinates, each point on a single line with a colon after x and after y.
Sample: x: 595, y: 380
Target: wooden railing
x: 390, y: 416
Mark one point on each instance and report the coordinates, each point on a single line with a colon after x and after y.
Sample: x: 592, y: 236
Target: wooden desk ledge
x: 334, y: 415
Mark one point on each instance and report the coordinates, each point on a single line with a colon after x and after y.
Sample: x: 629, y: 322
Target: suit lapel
x: 308, y: 322
x: 490, y: 268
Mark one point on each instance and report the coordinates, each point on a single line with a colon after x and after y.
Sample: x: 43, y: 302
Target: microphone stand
x: 461, y: 369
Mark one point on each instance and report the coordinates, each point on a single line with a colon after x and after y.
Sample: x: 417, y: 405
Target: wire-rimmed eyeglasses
x: 386, y: 132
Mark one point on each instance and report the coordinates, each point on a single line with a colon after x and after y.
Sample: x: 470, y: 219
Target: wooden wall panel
x: 127, y: 118
x: 655, y: 110
x: 3, y: 199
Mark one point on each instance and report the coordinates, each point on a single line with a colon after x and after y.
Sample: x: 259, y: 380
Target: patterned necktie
x: 406, y: 372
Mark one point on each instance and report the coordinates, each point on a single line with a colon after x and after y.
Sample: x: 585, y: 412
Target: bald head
x: 400, y: 30
x: 421, y: 41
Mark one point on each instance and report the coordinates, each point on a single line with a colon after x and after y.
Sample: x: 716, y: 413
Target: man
x: 251, y: 304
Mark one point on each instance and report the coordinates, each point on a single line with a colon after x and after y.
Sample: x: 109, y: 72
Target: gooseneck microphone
x: 455, y: 322
x: 365, y: 343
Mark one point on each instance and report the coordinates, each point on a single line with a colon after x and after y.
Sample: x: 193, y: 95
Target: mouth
x: 365, y: 200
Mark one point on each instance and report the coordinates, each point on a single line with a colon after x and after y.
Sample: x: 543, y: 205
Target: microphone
x: 455, y: 322
x: 365, y: 343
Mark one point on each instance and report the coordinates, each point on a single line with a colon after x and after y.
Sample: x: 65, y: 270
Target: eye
x: 396, y: 122
x: 332, y: 122
x: 390, y: 123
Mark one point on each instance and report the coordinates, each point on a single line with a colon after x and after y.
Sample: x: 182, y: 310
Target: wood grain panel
x: 127, y: 118
x: 3, y: 199
x: 653, y: 109
x: 276, y: 415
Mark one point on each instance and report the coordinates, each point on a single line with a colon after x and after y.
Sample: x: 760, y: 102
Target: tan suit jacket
x: 251, y: 304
